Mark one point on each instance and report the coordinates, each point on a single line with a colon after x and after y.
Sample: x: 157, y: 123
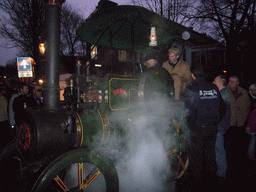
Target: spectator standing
x: 220, y: 81
x: 20, y: 104
x: 240, y: 102
x: 205, y: 109
x: 251, y: 123
x: 156, y: 81
x: 236, y: 139
x: 252, y: 95
x: 4, y: 123
x: 179, y: 71
x: 36, y: 98
x: 23, y: 89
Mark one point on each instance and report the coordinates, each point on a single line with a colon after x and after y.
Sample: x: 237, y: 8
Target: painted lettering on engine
x: 120, y: 91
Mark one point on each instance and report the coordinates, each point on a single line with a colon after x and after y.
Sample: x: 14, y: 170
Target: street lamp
x: 41, y: 81
x: 42, y: 48
x: 40, y: 67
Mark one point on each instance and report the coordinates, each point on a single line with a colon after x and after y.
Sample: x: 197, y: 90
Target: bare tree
x: 172, y: 9
x: 232, y: 22
x: 71, y: 44
x: 23, y: 24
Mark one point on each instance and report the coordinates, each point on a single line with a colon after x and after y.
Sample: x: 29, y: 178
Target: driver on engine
x: 157, y: 81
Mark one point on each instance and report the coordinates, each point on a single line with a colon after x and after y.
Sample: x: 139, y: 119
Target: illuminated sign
x: 24, y: 66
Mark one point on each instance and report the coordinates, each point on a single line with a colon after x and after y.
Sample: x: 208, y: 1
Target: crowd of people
x: 12, y: 110
x: 221, y: 119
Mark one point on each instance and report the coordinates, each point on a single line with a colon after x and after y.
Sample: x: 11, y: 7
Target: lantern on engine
x: 153, y: 37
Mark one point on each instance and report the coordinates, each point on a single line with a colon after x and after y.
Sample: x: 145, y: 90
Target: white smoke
x: 146, y: 168
x: 141, y: 158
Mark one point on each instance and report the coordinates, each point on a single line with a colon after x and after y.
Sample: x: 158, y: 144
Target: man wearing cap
x: 179, y: 70
x: 156, y: 81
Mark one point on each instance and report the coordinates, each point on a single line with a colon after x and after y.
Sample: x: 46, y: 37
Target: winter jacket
x: 34, y: 103
x: 156, y: 82
x: 205, y: 106
x: 181, y: 75
x: 223, y: 125
x: 240, y: 106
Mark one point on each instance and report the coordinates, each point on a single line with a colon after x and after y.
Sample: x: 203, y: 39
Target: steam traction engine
x: 82, y: 137
x: 74, y: 147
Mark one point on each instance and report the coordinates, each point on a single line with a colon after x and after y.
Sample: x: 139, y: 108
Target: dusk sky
x: 85, y: 7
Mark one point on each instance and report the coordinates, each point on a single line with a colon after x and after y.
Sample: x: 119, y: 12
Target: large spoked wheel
x: 78, y: 170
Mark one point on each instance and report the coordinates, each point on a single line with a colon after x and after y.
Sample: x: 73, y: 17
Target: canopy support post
x: 133, y: 56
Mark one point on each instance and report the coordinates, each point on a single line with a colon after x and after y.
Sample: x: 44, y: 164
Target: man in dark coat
x: 35, y: 99
x: 155, y: 81
x: 205, y: 109
x: 20, y: 104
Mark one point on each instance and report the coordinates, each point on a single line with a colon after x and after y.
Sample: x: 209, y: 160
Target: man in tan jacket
x: 240, y: 102
x: 236, y: 139
x: 179, y: 71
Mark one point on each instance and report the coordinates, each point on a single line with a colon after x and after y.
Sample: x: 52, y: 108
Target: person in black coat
x: 205, y: 109
x: 155, y: 82
x: 20, y: 103
x: 35, y: 99
x: 24, y: 103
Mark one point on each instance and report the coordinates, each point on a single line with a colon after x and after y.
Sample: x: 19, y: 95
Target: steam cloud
x: 139, y: 153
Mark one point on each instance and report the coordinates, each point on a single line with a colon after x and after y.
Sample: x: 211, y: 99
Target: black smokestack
x: 52, y: 54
